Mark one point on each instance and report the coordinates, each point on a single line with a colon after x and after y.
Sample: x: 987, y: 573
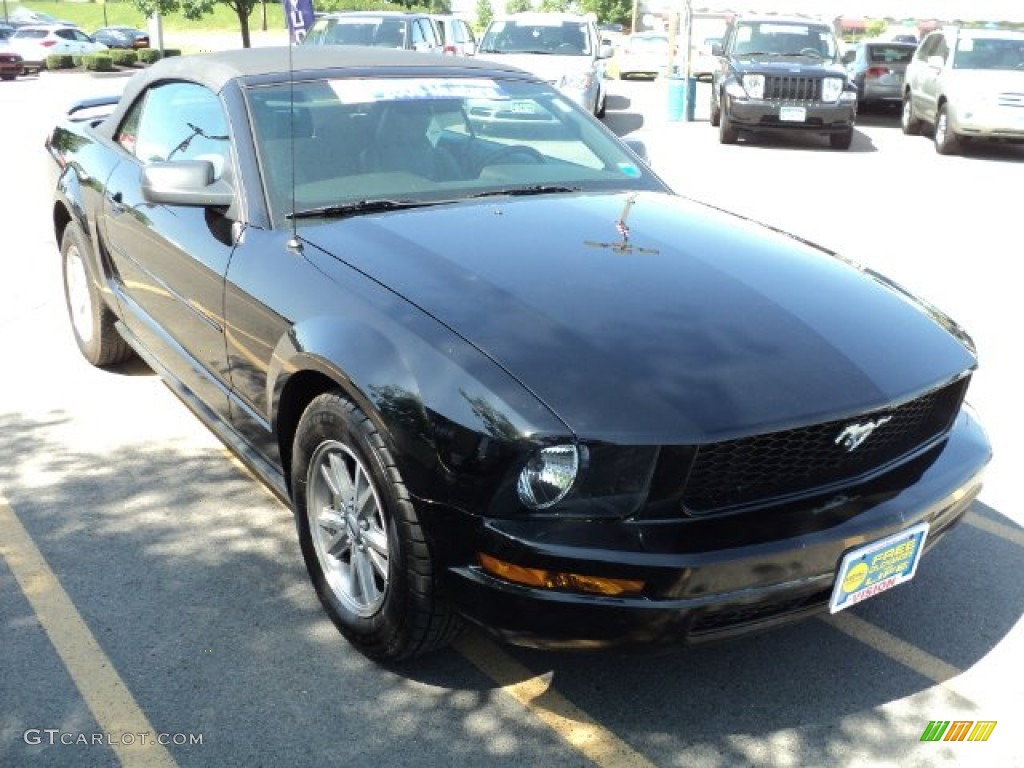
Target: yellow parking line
x: 572, y: 724
x: 905, y: 653
x: 1003, y: 531
x: 106, y: 695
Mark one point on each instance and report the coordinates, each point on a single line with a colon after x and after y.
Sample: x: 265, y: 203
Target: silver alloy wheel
x: 906, y: 116
x: 941, y: 126
x: 79, y: 297
x: 348, y: 528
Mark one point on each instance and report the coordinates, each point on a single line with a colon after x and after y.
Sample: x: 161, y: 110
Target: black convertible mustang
x: 500, y: 370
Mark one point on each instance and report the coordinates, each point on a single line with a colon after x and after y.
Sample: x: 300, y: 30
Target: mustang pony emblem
x: 855, y: 434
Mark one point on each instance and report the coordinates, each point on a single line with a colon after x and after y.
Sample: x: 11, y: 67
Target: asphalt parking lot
x: 148, y: 586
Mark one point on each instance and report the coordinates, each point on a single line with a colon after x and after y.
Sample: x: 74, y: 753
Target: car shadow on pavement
x: 168, y: 550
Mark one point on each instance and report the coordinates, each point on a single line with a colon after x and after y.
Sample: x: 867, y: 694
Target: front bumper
x: 698, y: 593
x: 768, y: 115
x: 990, y: 122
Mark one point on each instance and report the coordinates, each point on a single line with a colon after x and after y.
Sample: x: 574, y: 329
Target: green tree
x: 440, y: 6
x: 196, y: 9
x: 518, y: 6
x: 610, y: 11
x: 484, y: 13
x: 875, y: 27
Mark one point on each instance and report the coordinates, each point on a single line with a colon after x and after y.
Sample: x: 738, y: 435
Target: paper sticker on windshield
x: 628, y: 169
x: 412, y: 89
x: 966, y: 45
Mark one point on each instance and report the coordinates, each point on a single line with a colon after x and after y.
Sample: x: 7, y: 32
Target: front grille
x: 1011, y: 100
x: 799, y: 461
x: 792, y: 88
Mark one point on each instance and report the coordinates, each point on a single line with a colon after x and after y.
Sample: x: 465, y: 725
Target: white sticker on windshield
x: 410, y: 89
x: 966, y: 45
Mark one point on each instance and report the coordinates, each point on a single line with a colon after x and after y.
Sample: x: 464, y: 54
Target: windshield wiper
x: 536, y: 189
x: 757, y: 53
x: 815, y: 55
x: 360, y: 207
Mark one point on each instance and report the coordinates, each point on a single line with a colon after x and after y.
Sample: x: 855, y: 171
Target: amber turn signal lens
x: 537, y: 577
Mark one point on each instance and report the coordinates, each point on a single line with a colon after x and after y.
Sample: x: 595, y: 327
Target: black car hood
x: 698, y: 326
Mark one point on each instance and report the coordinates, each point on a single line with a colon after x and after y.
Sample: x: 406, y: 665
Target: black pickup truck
x: 782, y: 74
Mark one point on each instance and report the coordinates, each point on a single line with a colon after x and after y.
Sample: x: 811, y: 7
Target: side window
x: 927, y: 47
x: 942, y: 49
x: 417, y: 33
x: 177, y: 121
x: 65, y: 34
x: 81, y: 37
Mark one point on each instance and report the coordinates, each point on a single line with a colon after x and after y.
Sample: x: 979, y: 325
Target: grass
x: 90, y: 16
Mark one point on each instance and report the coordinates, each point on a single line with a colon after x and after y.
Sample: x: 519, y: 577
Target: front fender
x: 445, y: 409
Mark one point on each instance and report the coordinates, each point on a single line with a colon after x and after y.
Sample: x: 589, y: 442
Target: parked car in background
x: 782, y: 74
x: 125, y: 37
x: 967, y: 84
x: 11, y: 64
x: 376, y: 29
x: 457, y: 36
x: 645, y: 54
x: 623, y: 416
x: 877, y: 69
x: 562, y: 48
x: 6, y: 30
x: 37, y: 41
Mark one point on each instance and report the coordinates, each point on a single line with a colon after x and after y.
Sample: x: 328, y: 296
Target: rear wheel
x: 361, y: 538
x: 92, y: 322
x: 716, y: 114
x: 908, y: 120
x: 946, y: 141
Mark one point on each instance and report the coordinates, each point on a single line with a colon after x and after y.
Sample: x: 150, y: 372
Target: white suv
x: 37, y: 41
x: 967, y: 83
x: 562, y: 48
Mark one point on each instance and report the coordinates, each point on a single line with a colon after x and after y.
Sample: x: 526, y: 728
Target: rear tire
x: 92, y: 322
x: 716, y: 114
x: 361, y: 539
x: 908, y: 120
x: 946, y: 141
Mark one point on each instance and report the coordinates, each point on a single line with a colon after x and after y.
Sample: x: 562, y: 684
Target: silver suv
x: 967, y: 83
x: 561, y: 48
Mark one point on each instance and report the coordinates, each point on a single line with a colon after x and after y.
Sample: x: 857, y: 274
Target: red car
x: 11, y: 64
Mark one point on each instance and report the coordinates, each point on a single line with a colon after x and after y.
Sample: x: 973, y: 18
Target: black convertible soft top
x: 215, y: 70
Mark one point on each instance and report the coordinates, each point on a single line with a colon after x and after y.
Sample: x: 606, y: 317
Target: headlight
x: 548, y: 476
x: 831, y: 87
x: 581, y: 80
x: 754, y: 86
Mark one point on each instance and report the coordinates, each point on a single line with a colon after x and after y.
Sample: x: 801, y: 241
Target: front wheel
x: 716, y: 114
x: 360, y: 536
x: 908, y: 120
x: 92, y: 322
x: 727, y: 133
x: 841, y: 140
x: 946, y: 140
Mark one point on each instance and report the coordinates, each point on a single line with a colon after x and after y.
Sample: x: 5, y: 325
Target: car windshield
x: 376, y: 32
x: 890, y: 54
x: 989, y: 53
x: 777, y: 39
x: 561, y: 38
x: 338, y: 143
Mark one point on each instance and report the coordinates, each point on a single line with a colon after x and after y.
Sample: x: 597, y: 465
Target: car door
x: 924, y: 89
x: 170, y: 260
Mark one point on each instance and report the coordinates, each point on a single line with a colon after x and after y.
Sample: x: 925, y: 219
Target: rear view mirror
x: 849, y: 57
x: 716, y: 49
x: 606, y: 51
x: 185, y: 182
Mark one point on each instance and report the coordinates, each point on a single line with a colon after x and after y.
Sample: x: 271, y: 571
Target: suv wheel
x: 716, y: 113
x: 727, y: 132
x: 908, y: 121
x: 946, y: 141
x: 841, y: 140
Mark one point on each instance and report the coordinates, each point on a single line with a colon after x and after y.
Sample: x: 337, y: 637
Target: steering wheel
x: 515, y: 149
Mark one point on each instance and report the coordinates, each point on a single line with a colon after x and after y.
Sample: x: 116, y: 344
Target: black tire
x: 92, y: 322
x: 369, y: 563
x: 602, y: 107
x: 716, y: 114
x: 946, y: 141
x: 8, y: 77
x: 909, y: 122
x: 727, y: 134
x: 841, y: 140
